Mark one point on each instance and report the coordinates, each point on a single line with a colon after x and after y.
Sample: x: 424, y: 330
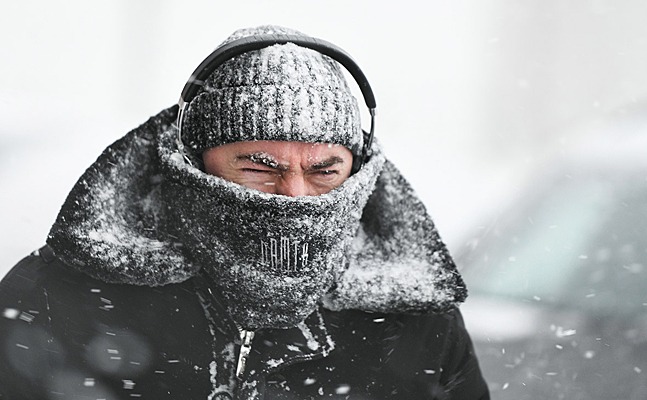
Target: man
x: 258, y: 246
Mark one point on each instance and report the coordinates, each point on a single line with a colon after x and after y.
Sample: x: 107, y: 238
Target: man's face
x: 278, y: 167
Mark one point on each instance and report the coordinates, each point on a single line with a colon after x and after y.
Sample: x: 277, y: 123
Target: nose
x: 292, y: 185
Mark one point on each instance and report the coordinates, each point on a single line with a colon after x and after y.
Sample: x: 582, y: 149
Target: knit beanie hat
x: 282, y: 92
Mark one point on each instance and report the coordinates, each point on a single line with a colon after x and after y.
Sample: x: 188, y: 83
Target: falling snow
x: 10, y: 313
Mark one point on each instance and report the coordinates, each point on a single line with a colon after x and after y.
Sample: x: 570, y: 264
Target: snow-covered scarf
x: 117, y: 226
x: 273, y: 257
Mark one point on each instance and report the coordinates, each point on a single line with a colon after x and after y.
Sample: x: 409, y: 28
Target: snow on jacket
x: 66, y: 335
x: 115, y: 307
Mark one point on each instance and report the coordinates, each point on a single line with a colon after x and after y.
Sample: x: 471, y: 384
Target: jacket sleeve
x: 461, y: 375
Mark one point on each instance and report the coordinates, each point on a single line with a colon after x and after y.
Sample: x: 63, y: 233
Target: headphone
x: 257, y: 42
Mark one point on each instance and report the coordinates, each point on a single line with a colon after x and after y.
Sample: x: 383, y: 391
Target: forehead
x: 282, y: 149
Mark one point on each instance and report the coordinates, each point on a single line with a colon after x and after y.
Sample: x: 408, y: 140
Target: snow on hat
x: 282, y: 92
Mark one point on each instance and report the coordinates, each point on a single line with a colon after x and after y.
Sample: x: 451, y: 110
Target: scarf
x: 122, y: 223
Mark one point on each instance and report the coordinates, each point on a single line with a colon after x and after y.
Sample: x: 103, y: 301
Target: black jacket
x: 66, y: 335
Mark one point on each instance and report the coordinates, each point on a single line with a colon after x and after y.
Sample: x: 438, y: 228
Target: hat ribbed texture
x: 282, y: 92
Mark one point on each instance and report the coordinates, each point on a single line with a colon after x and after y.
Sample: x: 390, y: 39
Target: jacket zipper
x: 246, y: 338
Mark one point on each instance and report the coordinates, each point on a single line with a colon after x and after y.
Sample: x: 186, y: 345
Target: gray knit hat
x: 282, y: 92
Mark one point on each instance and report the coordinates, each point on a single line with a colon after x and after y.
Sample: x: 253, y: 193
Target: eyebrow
x: 268, y: 160
x: 327, y: 163
x: 263, y: 158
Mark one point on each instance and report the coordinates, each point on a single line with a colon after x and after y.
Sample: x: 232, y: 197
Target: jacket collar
x: 112, y: 227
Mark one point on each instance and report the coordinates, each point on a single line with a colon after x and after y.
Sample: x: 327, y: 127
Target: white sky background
x: 470, y: 94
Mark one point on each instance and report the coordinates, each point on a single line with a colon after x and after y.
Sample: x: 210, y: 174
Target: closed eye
x: 327, y: 167
x: 328, y: 172
x: 258, y: 171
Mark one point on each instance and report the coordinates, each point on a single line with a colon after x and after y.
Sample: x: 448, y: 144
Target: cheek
x: 321, y: 184
x: 263, y: 183
x: 212, y: 169
x: 344, y: 171
x: 218, y: 164
x: 213, y: 162
x: 267, y: 182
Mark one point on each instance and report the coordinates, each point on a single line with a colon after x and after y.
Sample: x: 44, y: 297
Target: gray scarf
x: 273, y: 257
x: 119, y: 225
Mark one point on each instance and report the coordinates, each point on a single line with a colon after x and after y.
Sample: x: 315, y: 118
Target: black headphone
x: 257, y: 42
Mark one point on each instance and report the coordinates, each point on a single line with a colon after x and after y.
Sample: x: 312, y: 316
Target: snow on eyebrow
x: 264, y: 159
x: 269, y: 161
x: 330, y: 161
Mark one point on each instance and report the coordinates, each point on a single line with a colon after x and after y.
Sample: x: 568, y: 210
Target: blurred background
x: 477, y: 101
x: 470, y: 94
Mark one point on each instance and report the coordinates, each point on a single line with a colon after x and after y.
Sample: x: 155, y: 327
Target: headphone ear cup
x: 358, y: 160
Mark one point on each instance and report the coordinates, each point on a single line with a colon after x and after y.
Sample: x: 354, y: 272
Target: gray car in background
x: 558, y: 281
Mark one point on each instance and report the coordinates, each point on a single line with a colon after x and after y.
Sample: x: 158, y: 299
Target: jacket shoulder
x: 461, y: 376
x: 440, y: 345
x: 56, y: 316
x: 27, y: 274
x: 423, y: 355
x: 37, y: 273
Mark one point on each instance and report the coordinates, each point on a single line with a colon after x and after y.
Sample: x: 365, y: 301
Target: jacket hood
x: 113, y: 226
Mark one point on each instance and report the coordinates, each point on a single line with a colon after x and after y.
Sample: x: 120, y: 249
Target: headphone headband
x: 257, y: 42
